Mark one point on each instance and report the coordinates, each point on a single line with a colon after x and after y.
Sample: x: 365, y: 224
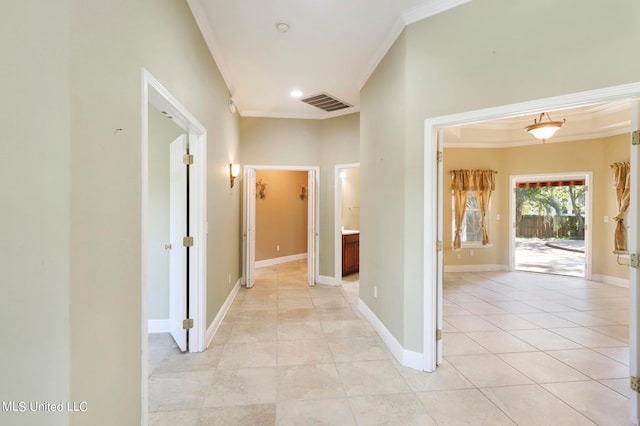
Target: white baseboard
x: 278, y: 260
x: 475, y: 268
x: 404, y: 356
x: 607, y: 279
x: 158, y: 326
x: 215, y: 324
x: 326, y: 280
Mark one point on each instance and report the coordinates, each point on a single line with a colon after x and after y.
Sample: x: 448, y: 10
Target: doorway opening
x: 551, y: 214
x: 280, y: 219
x: 186, y: 316
x: 434, y: 219
x: 347, y: 222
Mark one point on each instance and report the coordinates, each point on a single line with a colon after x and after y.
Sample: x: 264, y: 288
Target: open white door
x: 311, y: 228
x: 178, y: 230
x: 250, y: 227
x: 440, y: 251
x: 634, y: 275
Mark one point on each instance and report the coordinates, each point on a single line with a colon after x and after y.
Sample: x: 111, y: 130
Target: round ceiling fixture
x: 282, y: 27
x: 296, y: 93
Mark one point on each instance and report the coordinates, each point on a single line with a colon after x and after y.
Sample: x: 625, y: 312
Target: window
x: 471, y: 234
x: 471, y: 192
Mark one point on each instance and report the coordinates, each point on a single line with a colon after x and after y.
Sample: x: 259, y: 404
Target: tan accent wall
x: 593, y: 155
x: 281, y: 217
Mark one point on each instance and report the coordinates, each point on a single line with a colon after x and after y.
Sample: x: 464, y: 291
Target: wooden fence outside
x: 534, y: 226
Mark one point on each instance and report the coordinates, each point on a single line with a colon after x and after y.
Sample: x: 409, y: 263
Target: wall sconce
x: 234, y: 169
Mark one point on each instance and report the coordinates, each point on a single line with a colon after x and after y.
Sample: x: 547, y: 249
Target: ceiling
x: 332, y: 46
x: 587, y: 122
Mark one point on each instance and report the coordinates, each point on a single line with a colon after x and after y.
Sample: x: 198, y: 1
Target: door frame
x: 337, y: 218
x: 154, y: 93
x: 433, y: 222
x: 588, y: 178
x: 312, y: 216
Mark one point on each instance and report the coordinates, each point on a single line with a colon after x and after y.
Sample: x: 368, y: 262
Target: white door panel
x: 250, y: 227
x: 311, y: 228
x: 178, y: 230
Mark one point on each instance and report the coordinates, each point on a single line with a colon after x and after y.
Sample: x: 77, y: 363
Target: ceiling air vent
x: 325, y: 102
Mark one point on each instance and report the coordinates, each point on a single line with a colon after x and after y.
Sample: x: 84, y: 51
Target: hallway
x: 519, y: 349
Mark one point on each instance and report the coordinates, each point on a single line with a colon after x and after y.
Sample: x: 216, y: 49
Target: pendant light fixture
x: 544, y: 130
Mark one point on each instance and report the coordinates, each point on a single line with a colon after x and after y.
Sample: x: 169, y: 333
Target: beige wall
x: 281, y: 217
x: 382, y: 163
x: 482, y: 54
x: 35, y: 360
x: 351, y: 198
x: 593, y: 155
x: 289, y: 142
x: 110, y: 43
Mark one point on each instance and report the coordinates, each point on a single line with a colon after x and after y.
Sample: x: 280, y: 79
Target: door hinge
x: 440, y: 155
x: 439, y: 245
x: 438, y: 334
x: 187, y: 159
x: 187, y: 242
x: 187, y: 324
x: 635, y: 137
x: 634, y: 260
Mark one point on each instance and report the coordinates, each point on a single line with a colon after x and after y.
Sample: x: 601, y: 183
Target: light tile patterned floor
x: 520, y: 348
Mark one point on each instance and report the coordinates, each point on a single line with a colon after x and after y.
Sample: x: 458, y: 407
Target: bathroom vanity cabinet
x: 350, y: 252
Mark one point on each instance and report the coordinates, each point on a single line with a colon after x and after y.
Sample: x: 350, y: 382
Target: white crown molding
x: 588, y: 97
x: 320, y: 116
x: 610, y: 94
x: 533, y: 141
x: 410, y: 16
x: 381, y: 51
x: 431, y: 8
x: 197, y: 9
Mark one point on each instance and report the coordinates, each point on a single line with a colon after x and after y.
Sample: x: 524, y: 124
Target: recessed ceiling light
x: 296, y: 93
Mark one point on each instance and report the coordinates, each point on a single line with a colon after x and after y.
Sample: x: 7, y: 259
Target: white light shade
x: 235, y: 169
x: 296, y: 93
x: 545, y: 130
